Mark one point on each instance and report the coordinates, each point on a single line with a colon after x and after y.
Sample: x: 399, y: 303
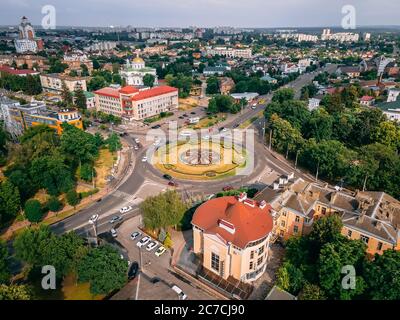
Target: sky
x: 202, y: 13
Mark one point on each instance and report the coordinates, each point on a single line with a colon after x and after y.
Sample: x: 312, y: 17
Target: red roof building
x: 18, y: 72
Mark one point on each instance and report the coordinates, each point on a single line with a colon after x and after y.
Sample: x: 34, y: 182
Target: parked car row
x: 148, y: 243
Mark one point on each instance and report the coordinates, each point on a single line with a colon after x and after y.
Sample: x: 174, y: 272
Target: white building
x: 392, y: 95
x: 313, y: 103
x: 306, y: 37
x: 340, y: 36
x: 136, y: 104
x: 133, y: 72
x: 26, y: 41
x: 102, y: 46
x: 25, y: 45
x: 52, y: 82
x: 230, y: 52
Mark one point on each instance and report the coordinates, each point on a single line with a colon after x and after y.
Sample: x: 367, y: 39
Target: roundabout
x: 205, y: 160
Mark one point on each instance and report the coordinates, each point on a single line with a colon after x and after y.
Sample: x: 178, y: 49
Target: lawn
x: 187, y: 104
x: 103, y: 166
x: 77, y: 291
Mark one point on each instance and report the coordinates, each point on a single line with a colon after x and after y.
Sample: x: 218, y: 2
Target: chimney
x: 242, y: 197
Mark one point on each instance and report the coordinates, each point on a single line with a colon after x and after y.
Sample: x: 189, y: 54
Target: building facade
x: 231, y: 236
x: 27, y: 41
x: 245, y: 53
x: 53, y: 82
x: 136, y: 104
x: 134, y: 72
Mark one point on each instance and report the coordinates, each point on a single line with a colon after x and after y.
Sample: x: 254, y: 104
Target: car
x: 93, y: 218
x: 98, y: 200
x: 160, y: 251
x: 151, y: 245
x: 185, y: 115
x: 125, y: 209
x: 155, y: 280
x: 181, y: 294
x: 115, y: 219
x: 167, y: 176
x: 193, y: 112
x: 136, y: 148
x: 137, y: 140
x: 206, y: 137
x: 114, y: 233
x: 157, y: 126
x: 172, y: 184
x: 144, y: 159
x: 133, y: 270
x: 227, y: 188
x: 135, y: 234
x: 236, y: 125
x: 180, y: 117
x: 254, y: 106
x: 224, y: 130
x: 143, y: 241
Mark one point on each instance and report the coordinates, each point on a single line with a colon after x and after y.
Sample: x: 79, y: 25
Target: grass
x: 208, y: 121
x: 77, y: 291
x: 103, y: 166
x: 187, y: 104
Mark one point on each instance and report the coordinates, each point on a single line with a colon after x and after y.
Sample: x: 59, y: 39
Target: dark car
x: 193, y: 112
x: 133, y: 271
x: 236, y: 125
x: 185, y: 115
x: 157, y: 126
x: 172, y: 184
x: 181, y: 117
x: 155, y: 280
x: 167, y: 176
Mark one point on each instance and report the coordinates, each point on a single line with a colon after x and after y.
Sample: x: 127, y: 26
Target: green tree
x: 283, y: 95
x: 388, y: 134
x: 10, y: 202
x: 113, y: 142
x: 104, y: 269
x: 148, y: 80
x: 72, y: 197
x: 319, y: 125
x: 4, y: 269
x: 80, y: 98
x: 53, y: 204
x: 311, y: 292
x: 290, y: 278
x: 87, y: 172
x: 66, y: 95
x: 212, y: 85
x: 33, y: 210
x: 15, y: 292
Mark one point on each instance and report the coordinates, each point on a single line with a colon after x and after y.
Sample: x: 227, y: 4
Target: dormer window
x: 227, y: 226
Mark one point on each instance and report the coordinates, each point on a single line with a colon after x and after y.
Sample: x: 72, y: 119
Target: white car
x: 181, y: 294
x: 137, y: 140
x: 144, y: 159
x: 143, y: 241
x: 114, y: 233
x: 125, y: 209
x: 151, y: 245
x: 224, y: 130
x: 160, y: 251
x: 136, y: 148
x: 135, y: 234
x: 93, y: 218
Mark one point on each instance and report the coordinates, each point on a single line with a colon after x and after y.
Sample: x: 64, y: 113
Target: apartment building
x: 231, y: 236
x: 53, y: 82
x: 245, y: 53
x: 372, y: 217
x: 136, y: 104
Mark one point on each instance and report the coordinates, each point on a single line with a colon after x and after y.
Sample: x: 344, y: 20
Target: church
x: 134, y: 71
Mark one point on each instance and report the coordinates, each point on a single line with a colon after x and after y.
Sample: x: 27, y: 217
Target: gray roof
x: 277, y: 293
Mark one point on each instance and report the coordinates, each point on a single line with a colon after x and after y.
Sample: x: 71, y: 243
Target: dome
x: 138, y: 60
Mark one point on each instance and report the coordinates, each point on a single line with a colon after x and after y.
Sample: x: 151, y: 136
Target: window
x: 260, y: 260
x: 261, y: 250
x: 349, y: 233
x: 252, y: 255
x: 215, y: 261
x: 364, y: 239
x: 281, y: 233
x: 295, y: 229
x: 323, y: 211
x: 282, y: 223
x: 251, y: 265
x: 284, y: 213
x: 297, y: 219
x: 379, y: 246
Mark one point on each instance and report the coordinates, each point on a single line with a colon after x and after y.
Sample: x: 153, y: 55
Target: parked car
x: 115, y: 219
x: 93, y: 218
x: 193, y: 112
x: 125, y: 209
x: 160, y: 251
x: 136, y: 148
x: 157, y: 126
x: 227, y: 188
x: 133, y: 270
x: 144, y: 159
x: 135, y: 234
x: 181, y: 117
x: 143, y: 241
x: 155, y: 280
x: 151, y: 245
x: 137, y: 140
x: 167, y: 176
x: 172, y: 184
x: 181, y: 294
x: 114, y: 233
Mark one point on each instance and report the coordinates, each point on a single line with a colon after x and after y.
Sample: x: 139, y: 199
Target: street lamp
x: 93, y: 223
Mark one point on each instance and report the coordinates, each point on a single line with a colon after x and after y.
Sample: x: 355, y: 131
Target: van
x: 181, y: 294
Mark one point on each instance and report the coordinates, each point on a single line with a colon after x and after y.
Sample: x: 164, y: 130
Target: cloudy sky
x: 238, y: 13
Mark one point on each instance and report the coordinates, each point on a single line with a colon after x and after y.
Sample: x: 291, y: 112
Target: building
x: 367, y: 101
x: 393, y: 95
x: 226, y: 85
x: 245, y: 53
x: 214, y: 71
x: 249, y: 96
x: 102, y: 46
x: 306, y: 37
x: 390, y: 109
x: 136, y: 104
x: 231, y: 236
x: 53, y: 82
x: 18, y: 118
x: 18, y: 72
x: 351, y: 72
x: 340, y: 36
x: 154, y: 50
x: 313, y: 103
x: 75, y: 60
x: 27, y: 41
x: 90, y: 100
x: 269, y: 79
x: 134, y: 72
x: 372, y: 217
x: 277, y: 293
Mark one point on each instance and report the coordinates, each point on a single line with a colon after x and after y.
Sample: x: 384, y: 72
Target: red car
x: 227, y: 188
x: 172, y: 184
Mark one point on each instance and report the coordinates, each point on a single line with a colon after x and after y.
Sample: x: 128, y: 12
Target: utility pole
x: 297, y: 155
x: 270, y: 139
x: 365, y: 182
x: 316, y: 175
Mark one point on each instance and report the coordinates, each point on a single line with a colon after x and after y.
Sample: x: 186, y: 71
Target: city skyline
x: 207, y: 13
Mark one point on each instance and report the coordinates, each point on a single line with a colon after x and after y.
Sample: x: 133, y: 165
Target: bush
x: 72, y: 198
x: 54, y: 204
x: 168, y: 242
x: 87, y: 171
x: 86, y: 194
x: 33, y: 210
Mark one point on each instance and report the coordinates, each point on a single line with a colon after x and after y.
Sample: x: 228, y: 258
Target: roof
x: 249, y: 223
x: 153, y: 92
x: 367, y: 98
x: 17, y: 71
x: 385, y: 106
x: 138, y: 60
x: 108, y: 92
x: 128, y: 90
x: 277, y: 293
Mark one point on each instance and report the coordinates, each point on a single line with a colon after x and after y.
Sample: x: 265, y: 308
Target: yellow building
x: 231, y: 236
x: 373, y: 217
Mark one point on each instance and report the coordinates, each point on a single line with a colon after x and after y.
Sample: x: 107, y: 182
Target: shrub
x: 72, y: 198
x: 54, y: 204
x: 33, y: 210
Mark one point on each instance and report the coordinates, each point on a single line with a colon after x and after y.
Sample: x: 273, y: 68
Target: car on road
x: 114, y: 233
x: 133, y: 270
x: 93, y: 218
x: 254, y: 106
x: 181, y: 294
x: 135, y: 234
x: 172, y: 184
x: 155, y: 280
x: 223, y: 129
x: 137, y: 140
x: 144, y: 159
x: 185, y: 115
x: 193, y: 112
x: 236, y: 125
x: 115, y: 219
x: 157, y: 126
x: 160, y: 251
x: 181, y: 117
x: 143, y: 241
x: 167, y: 176
x: 136, y: 148
x: 151, y: 245
x: 125, y: 209
x: 227, y: 188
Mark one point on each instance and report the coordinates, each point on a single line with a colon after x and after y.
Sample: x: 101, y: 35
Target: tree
x: 223, y: 103
x: 15, y: 292
x: 66, y: 95
x: 212, y: 85
x: 319, y: 125
x: 382, y: 276
x: 54, y: 204
x: 113, y: 142
x: 148, y: 80
x: 80, y: 98
x: 33, y: 210
x: 283, y: 95
x: 104, y: 269
x: 311, y: 292
x: 87, y: 172
x: 10, y: 201
x: 290, y: 278
x: 388, y: 134
x: 72, y: 198
x: 97, y: 82
x: 4, y: 269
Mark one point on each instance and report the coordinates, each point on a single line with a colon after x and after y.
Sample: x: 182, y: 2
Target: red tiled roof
x: 366, y: 98
x: 153, y: 92
x: 108, y: 92
x: 128, y: 90
x: 17, y: 71
x: 250, y: 223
